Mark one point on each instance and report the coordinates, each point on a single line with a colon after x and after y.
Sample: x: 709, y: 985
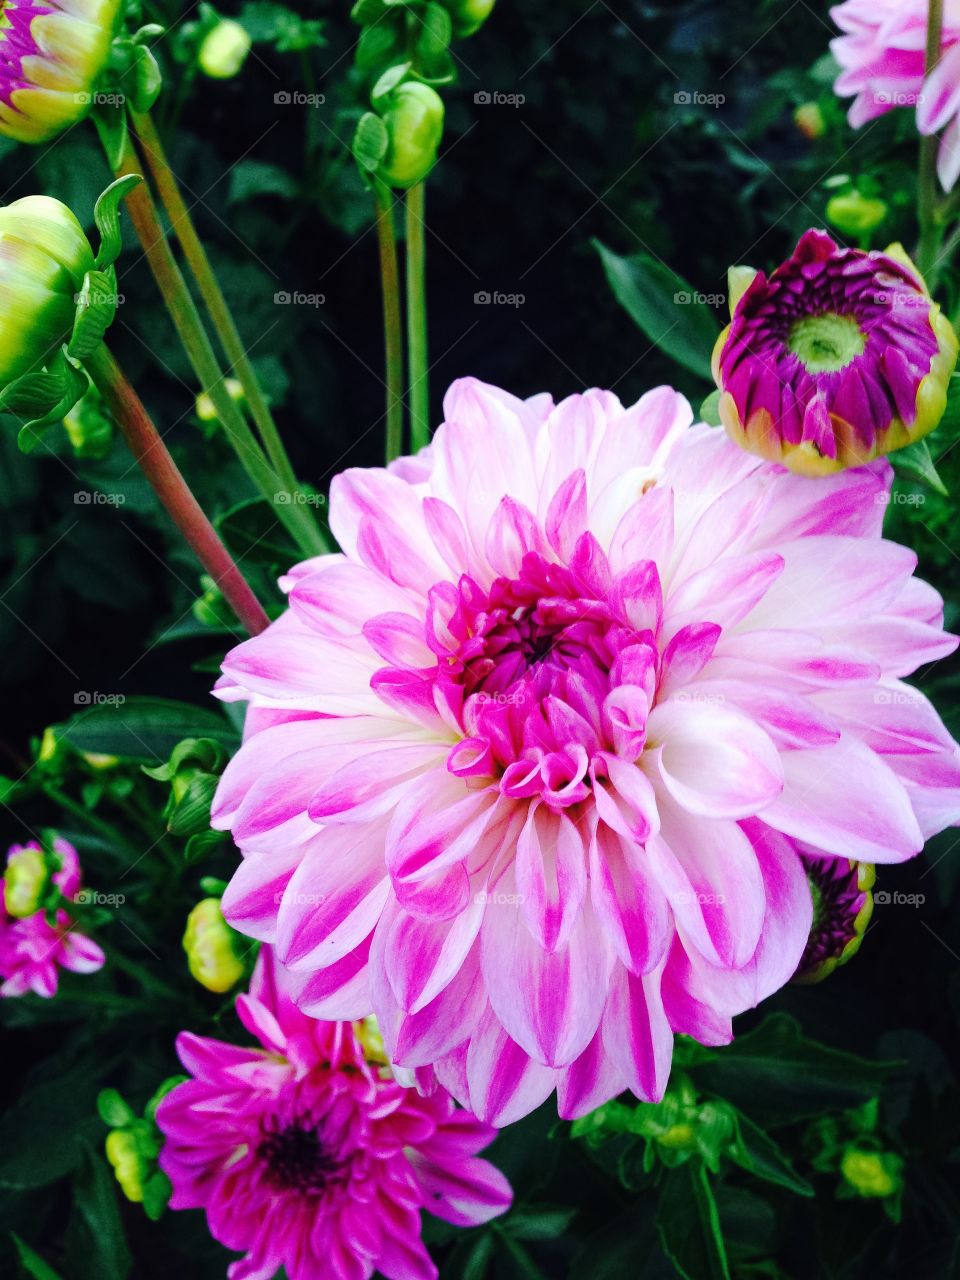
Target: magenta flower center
x: 296, y: 1159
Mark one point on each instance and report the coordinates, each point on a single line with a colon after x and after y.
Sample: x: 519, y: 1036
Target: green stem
x: 107, y: 830
x: 930, y: 226
x: 173, y: 491
x: 392, y: 323
x: 186, y: 318
x: 216, y: 304
x: 417, y: 318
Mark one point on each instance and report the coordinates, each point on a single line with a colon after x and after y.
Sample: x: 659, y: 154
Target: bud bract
x: 224, y: 50
x: 51, y: 58
x: 469, y: 15
x: 209, y: 944
x: 414, y: 122
x: 44, y: 256
x: 855, y: 214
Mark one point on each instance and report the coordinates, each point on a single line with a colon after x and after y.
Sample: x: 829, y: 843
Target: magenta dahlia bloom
x: 836, y: 357
x: 882, y: 58
x: 32, y: 948
x: 526, y: 764
x: 307, y: 1156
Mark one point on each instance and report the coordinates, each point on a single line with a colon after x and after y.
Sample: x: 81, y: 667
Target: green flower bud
x: 44, y: 256
x: 25, y: 882
x: 414, y: 122
x: 89, y: 427
x: 856, y: 215
x: 128, y: 1165
x: 224, y: 50
x: 872, y: 1174
x: 368, y: 1033
x: 204, y: 407
x: 209, y: 944
x: 469, y: 15
x: 808, y: 118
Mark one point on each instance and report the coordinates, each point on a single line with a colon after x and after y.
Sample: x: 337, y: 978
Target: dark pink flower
x: 307, y: 1156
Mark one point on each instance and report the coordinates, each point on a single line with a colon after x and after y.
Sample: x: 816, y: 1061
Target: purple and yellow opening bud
x: 842, y: 907
x: 51, y: 57
x: 128, y: 1165
x: 44, y: 256
x: 224, y: 50
x: 872, y: 1174
x: 854, y: 214
x: 838, y: 356
x: 25, y: 881
x: 414, y: 120
x: 469, y: 15
x: 808, y: 118
x: 210, y: 946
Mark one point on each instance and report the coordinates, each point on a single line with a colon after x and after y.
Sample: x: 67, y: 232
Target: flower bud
x: 370, y: 1039
x: 224, y: 50
x: 128, y: 1166
x: 44, y: 256
x: 856, y: 215
x: 25, y: 881
x: 414, y: 121
x: 872, y: 1174
x: 809, y: 120
x: 52, y: 58
x: 842, y: 906
x: 204, y: 407
x: 89, y: 427
x: 209, y: 944
x: 469, y: 15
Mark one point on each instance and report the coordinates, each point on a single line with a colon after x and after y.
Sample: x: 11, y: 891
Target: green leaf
x: 147, y: 79
x: 106, y: 215
x: 96, y: 1242
x: 96, y: 308
x: 31, y: 1262
x: 156, y: 1194
x: 538, y: 1222
x: 777, y: 1076
x: 689, y: 1224
x: 111, y: 122
x: 143, y: 728
x: 386, y: 84
x: 370, y: 142
x: 664, y: 306
x: 710, y: 410
x: 917, y: 462
x: 252, y: 178
x: 436, y: 32
x: 114, y: 1112
x: 519, y: 1262
x: 39, y: 1135
x: 754, y: 1151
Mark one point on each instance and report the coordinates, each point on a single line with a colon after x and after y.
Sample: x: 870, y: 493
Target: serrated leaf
x: 664, y: 306
x: 370, y: 142
x: 106, y: 215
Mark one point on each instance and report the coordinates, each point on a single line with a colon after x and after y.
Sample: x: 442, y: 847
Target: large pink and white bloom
x: 34, y: 944
x: 882, y: 55
x: 531, y: 766
x: 307, y: 1156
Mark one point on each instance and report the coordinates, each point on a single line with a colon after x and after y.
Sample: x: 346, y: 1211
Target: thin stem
x: 196, y: 343
x: 930, y: 226
x: 223, y: 322
x: 173, y: 491
x: 392, y: 323
x: 417, y: 318
x: 113, y: 835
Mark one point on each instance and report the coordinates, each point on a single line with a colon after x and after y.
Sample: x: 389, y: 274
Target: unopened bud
x: 209, y: 944
x: 224, y: 50
x: 414, y: 121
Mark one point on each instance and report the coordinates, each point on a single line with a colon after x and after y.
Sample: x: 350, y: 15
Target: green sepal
x: 43, y: 397
x: 96, y: 307
x: 111, y: 122
x: 916, y: 461
x: 113, y: 1110
x: 106, y: 214
x: 149, y: 31
x: 147, y: 79
x: 370, y: 142
x: 391, y: 78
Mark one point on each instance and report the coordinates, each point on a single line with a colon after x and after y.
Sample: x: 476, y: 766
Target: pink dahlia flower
x: 306, y: 1156
x: 835, y: 357
x: 32, y: 949
x: 882, y: 55
x: 527, y: 764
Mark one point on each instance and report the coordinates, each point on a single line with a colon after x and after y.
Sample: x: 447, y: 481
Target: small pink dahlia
x: 526, y: 764
x: 306, y: 1156
x: 835, y: 357
x: 32, y: 949
x: 882, y: 55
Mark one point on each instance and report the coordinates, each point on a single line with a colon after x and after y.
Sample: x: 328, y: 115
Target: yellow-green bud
x: 209, y: 944
x: 469, y: 15
x: 872, y: 1174
x: 49, y: 746
x: 121, y: 1149
x: 60, y: 54
x: 855, y: 214
x: 100, y: 760
x: 368, y: 1033
x: 809, y: 120
x: 224, y: 50
x: 25, y: 881
x: 204, y: 407
x: 414, y: 120
x: 44, y: 256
